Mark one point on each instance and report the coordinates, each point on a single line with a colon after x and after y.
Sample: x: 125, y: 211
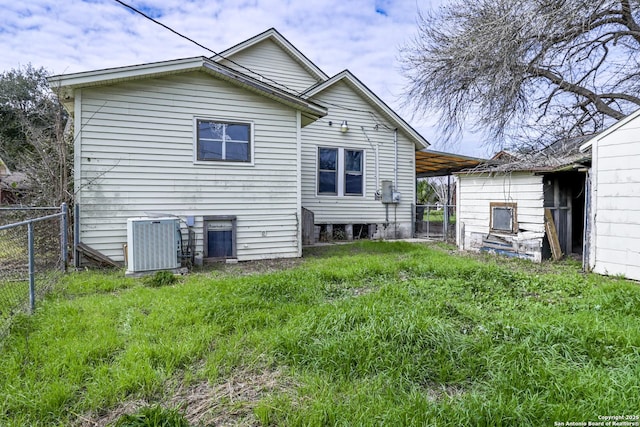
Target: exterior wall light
x: 344, y: 127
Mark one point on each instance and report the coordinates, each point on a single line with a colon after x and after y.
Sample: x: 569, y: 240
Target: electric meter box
x: 387, y: 191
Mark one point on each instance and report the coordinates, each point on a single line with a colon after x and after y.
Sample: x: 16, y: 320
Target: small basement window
x: 503, y: 217
x: 219, y: 237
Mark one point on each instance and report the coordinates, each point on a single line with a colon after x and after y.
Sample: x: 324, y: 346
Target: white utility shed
x: 520, y: 194
x: 513, y: 205
x: 614, y: 230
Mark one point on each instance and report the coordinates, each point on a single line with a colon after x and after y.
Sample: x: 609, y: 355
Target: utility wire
x: 204, y: 47
x: 216, y: 54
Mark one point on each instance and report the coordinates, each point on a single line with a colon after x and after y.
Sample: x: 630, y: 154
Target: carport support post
x: 445, y: 230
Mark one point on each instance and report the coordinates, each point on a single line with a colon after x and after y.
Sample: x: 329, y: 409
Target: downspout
x: 395, y: 148
x: 375, y: 149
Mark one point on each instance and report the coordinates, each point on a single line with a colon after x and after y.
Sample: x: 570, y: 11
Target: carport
x: 435, y: 221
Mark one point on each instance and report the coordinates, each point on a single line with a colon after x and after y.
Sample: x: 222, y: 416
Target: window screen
x: 503, y: 217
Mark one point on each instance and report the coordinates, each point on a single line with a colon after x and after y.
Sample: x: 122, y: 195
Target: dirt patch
x: 436, y: 393
x: 230, y: 403
x: 225, y: 403
x: 247, y: 268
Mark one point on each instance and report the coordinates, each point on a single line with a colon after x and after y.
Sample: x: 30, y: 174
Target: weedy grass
x: 370, y: 333
x: 152, y: 416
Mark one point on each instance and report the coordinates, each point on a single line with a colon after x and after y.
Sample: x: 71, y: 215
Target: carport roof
x: 436, y: 163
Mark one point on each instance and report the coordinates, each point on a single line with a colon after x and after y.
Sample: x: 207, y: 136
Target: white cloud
x: 75, y: 35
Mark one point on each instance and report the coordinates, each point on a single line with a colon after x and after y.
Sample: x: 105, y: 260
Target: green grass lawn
x: 435, y: 215
x: 369, y: 333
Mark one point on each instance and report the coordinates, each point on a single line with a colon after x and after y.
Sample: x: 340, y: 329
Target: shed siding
x: 615, y: 243
x: 477, y: 191
x: 359, y: 209
x: 271, y: 61
x: 137, y: 159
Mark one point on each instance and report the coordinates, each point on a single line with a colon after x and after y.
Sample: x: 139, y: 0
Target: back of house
x: 347, y: 155
x: 233, y: 147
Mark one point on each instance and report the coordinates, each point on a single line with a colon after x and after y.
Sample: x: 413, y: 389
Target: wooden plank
x: 552, y: 235
x: 96, y: 256
x: 308, y: 237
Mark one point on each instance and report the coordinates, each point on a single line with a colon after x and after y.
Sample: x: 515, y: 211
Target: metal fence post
x: 76, y: 235
x: 32, y: 286
x: 415, y: 218
x: 445, y: 223
x: 63, y: 237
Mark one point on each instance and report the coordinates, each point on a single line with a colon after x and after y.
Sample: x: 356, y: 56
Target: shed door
x: 564, y: 195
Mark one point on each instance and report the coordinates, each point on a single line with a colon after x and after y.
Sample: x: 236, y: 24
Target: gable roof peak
x: 275, y: 36
x: 356, y: 84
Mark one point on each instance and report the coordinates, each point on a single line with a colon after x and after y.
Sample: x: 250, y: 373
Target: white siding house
x: 137, y: 154
x: 233, y: 140
x: 380, y: 140
x: 388, y: 154
x: 614, y: 231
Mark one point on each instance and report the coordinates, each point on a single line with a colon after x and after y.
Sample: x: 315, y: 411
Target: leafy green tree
x: 426, y: 193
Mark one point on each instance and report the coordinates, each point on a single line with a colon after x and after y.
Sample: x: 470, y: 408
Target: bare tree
x: 526, y: 70
x: 440, y: 188
x: 33, y: 138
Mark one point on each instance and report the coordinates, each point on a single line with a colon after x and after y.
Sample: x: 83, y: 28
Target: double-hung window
x: 328, y: 171
x: 340, y: 172
x: 223, y: 141
x: 353, y: 172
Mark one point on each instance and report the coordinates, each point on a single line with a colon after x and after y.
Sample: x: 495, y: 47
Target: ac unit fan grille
x: 153, y: 244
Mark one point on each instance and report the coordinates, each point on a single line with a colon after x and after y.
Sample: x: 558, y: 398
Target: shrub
x: 161, y: 278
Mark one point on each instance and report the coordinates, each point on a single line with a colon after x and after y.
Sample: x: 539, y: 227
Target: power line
x: 216, y: 54
x: 204, y: 47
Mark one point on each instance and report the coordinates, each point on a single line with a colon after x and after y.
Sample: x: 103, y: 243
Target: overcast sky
x: 364, y: 36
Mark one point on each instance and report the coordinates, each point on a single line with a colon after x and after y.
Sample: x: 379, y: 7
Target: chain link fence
x: 33, y: 254
x: 436, y: 222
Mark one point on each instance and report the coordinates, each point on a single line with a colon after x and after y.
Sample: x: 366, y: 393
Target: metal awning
x: 436, y: 163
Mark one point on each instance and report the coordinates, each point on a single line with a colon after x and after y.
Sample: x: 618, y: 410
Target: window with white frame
x: 503, y: 217
x: 223, y: 141
x: 353, y: 172
x: 327, y: 171
x: 340, y: 172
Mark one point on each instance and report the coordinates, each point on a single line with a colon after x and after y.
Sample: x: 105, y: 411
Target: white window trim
x: 224, y: 163
x: 344, y: 174
x: 340, y: 182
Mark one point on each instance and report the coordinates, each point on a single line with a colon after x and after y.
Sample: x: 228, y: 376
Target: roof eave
x: 587, y: 145
x: 66, y: 84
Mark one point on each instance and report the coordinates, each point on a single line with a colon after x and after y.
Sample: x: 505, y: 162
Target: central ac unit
x: 153, y: 244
